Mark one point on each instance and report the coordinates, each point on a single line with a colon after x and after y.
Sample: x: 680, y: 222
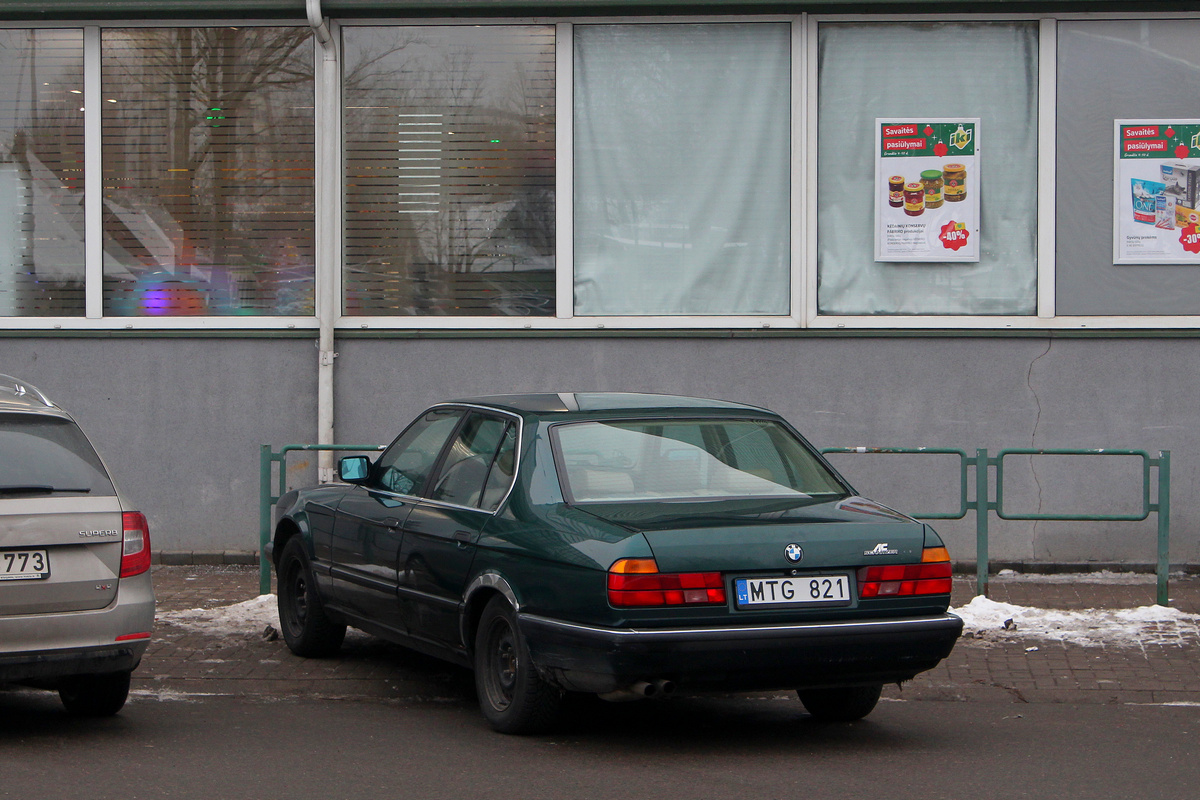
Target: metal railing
x: 267, y: 498
x: 983, y: 504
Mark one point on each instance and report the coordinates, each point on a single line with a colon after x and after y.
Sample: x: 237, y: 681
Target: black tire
x: 512, y: 696
x: 306, y: 628
x: 842, y: 704
x: 94, y: 695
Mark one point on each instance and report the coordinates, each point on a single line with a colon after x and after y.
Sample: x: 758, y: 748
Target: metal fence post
x: 1164, y: 524
x: 982, y: 506
x: 264, y: 517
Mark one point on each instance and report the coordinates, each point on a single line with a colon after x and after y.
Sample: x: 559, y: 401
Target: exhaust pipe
x: 634, y: 691
x: 665, y: 687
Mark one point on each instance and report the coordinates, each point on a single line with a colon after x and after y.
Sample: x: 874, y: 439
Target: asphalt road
x: 683, y: 749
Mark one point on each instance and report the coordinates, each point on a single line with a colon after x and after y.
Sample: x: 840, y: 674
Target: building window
x: 1147, y: 68
x: 872, y: 71
x: 208, y: 171
x: 682, y: 169
x: 449, y: 170
x: 41, y: 173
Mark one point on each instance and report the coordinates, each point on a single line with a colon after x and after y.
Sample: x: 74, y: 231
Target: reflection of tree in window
x: 208, y: 137
x: 449, y: 159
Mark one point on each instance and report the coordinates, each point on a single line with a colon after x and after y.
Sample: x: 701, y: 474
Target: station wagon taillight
x: 135, y: 549
x: 931, y: 576
x: 636, y: 582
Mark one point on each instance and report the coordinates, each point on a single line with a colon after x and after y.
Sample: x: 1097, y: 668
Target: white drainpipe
x: 328, y: 305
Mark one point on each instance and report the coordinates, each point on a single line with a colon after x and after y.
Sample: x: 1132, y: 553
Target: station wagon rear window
x: 42, y: 455
x: 681, y: 459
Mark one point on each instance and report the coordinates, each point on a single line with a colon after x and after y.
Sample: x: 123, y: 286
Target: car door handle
x: 391, y: 522
x: 462, y: 537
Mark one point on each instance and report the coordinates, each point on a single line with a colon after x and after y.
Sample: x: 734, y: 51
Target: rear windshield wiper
x: 31, y: 489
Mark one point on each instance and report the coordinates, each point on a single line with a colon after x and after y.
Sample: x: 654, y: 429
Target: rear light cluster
x: 636, y: 582
x: 135, y: 549
x: 931, y: 576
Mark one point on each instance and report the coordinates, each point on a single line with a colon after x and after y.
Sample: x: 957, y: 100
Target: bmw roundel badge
x: 794, y: 553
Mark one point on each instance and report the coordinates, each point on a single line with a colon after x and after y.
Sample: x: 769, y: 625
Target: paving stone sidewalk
x: 1006, y: 667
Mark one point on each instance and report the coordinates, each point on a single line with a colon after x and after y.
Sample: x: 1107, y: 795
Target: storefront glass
x: 41, y: 173
x: 208, y: 171
x: 682, y: 170
x: 449, y: 171
x: 870, y: 72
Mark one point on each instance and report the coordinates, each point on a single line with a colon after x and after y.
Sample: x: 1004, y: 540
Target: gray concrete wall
x: 180, y: 419
x: 961, y: 392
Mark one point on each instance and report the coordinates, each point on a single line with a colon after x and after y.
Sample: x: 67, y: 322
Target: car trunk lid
x: 80, y: 539
x: 847, y: 533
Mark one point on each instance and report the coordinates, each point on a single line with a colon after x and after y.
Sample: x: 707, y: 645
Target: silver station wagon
x: 76, y: 602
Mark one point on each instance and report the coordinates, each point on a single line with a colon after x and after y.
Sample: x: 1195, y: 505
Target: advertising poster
x: 927, y: 190
x: 1156, y: 202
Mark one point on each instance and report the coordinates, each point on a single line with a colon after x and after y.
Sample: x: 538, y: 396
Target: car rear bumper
x: 40, y: 647
x: 593, y: 659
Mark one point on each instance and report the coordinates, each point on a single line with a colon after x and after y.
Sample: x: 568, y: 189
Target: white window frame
x: 803, y: 274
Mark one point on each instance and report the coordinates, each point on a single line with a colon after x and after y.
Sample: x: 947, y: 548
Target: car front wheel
x: 842, y: 704
x: 512, y: 696
x: 95, y: 695
x: 306, y: 627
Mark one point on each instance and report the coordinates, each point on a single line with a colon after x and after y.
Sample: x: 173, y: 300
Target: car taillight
x: 135, y: 549
x: 637, y: 582
x: 931, y: 576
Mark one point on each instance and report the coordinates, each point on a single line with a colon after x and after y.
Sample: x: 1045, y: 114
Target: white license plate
x: 24, y: 565
x: 806, y: 590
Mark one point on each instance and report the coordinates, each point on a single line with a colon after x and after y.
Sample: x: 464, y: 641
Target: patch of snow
x: 251, y: 616
x: 1128, y: 627
x: 1103, y: 576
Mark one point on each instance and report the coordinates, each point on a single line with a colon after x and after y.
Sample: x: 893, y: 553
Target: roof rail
x: 19, y: 388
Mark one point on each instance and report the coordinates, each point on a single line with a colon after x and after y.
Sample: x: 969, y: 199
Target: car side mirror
x: 354, y: 469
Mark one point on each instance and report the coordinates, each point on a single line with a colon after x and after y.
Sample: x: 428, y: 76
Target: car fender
x: 486, y: 582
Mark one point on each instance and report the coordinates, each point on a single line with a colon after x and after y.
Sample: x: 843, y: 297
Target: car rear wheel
x: 95, y: 695
x: 842, y: 704
x: 512, y: 696
x: 305, y: 626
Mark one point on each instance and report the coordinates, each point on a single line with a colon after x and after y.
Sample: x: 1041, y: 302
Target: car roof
x: 605, y: 403
x: 21, y: 396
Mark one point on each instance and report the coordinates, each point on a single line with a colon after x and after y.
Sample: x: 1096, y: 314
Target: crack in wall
x: 1033, y: 438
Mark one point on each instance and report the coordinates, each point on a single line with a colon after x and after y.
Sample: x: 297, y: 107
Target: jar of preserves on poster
x: 954, y: 178
x: 931, y: 181
x: 914, y: 199
x: 896, y: 191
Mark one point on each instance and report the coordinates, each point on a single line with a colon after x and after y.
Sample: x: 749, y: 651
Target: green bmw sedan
x: 621, y: 545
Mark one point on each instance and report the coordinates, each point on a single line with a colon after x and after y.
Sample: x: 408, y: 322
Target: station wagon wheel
x: 512, y: 696
x: 95, y: 695
x: 840, y: 704
x: 305, y: 626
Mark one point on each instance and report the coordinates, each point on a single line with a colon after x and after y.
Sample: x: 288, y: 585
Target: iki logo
x: 960, y: 138
x: 881, y: 549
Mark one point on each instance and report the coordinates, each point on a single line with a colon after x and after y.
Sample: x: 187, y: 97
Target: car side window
x: 405, y: 465
x: 501, y: 476
x: 468, y: 461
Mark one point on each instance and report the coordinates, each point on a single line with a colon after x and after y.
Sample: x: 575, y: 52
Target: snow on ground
x: 1126, y: 627
x: 983, y: 619
x: 1102, y: 576
x: 250, y: 616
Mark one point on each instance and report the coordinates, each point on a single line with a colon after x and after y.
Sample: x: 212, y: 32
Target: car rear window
x: 48, y: 455
x: 674, y: 459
